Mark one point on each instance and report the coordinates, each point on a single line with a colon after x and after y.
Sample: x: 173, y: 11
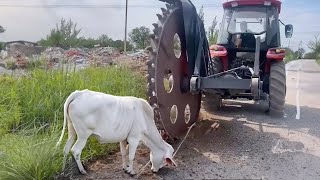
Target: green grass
x: 318, y: 61
x: 29, y: 157
x: 37, y: 99
x: 31, y: 114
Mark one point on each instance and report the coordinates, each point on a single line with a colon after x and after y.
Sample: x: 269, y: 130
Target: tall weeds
x: 31, y: 116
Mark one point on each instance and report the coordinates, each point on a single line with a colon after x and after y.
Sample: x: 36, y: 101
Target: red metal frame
x: 222, y: 53
x: 274, y: 54
x: 276, y: 3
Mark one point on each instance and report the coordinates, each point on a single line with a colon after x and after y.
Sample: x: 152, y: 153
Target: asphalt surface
x: 247, y: 144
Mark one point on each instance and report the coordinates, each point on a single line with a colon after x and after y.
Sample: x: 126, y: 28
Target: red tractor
x: 247, y: 61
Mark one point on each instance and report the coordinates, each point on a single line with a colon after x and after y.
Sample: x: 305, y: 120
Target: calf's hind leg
x: 76, y: 151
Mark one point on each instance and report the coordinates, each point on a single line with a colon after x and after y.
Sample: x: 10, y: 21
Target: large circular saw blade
x: 168, y: 79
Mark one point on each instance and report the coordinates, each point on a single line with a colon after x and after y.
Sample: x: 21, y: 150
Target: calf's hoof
x: 84, y: 172
x: 154, y: 171
x: 132, y: 173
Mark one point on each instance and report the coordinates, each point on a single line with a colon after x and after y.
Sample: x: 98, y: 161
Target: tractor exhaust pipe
x: 255, y: 81
x: 257, y: 58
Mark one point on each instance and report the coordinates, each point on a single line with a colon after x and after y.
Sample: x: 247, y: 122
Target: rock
x: 80, y: 61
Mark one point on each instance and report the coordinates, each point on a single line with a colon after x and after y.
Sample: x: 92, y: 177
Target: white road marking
x: 298, y: 93
x: 279, y: 148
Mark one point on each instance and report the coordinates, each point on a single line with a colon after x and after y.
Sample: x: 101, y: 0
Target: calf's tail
x: 71, y: 97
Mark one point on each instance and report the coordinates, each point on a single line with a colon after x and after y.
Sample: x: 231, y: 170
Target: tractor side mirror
x: 289, y: 30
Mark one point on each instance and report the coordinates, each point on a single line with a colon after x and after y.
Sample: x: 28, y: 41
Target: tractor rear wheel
x: 277, y: 88
x: 213, y: 102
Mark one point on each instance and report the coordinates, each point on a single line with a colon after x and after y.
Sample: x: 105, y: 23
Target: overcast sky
x: 97, y: 17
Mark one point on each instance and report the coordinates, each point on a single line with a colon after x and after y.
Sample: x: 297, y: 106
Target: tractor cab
x: 246, y: 20
x: 249, y: 30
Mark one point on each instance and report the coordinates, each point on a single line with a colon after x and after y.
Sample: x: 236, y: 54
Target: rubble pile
x: 55, y: 56
x: 25, y: 50
x: 140, y: 55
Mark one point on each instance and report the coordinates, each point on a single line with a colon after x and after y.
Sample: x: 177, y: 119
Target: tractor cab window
x: 248, y: 20
x: 241, y: 26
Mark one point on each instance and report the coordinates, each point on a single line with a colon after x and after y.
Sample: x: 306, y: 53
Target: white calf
x: 113, y: 119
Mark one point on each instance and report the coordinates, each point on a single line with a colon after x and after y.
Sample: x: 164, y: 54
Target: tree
x: 309, y: 55
x: 212, y: 32
x: 65, y: 35
x: 300, y: 52
x: 120, y: 45
x: 201, y: 14
x: 140, y: 37
x: 86, y: 43
x: 2, y: 46
x: 2, y: 30
x: 104, y: 40
x: 315, y: 48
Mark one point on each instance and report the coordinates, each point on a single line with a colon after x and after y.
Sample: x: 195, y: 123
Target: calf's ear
x: 170, y: 161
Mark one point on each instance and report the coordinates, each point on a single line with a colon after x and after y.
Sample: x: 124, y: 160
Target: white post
x: 126, y: 22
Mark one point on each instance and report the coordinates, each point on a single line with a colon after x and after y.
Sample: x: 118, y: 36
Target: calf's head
x: 161, y: 158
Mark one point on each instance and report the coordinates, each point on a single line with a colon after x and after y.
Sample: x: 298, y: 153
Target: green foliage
x: 212, y: 32
x: 2, y: 30
x: 41, y: 95
x: 104, y: 40
x: 309, y: 55
x: 86, y: 43
x: 140, y: 37
x: 9, y: 105
x: 294, y: 55
x: 29, y: 155
x: 1, y: 46
x: 65, y: 35
x: 31, y: 113
x: 11, y: 63
x: 201, y: 14
x: 315, y: 48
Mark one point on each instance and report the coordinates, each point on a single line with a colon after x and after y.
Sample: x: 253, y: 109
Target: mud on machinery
x: 247, y: 61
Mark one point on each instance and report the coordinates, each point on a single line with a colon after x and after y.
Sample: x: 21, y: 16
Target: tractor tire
x: 213, y: 102
x: 277, y: 88
x: 217, y: 65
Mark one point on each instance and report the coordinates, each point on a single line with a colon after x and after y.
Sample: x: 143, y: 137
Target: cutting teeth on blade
x: 155, y: 25
x: 159, y: 17
x: 157, y: 30
x: 149, y: 48
x: 163, y: 10
x: 152, y: 36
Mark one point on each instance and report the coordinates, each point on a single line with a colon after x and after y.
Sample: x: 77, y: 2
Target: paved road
x: 248, y: 143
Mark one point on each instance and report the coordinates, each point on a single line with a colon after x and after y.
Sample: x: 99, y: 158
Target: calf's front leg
x: 133, y: 145
x: 124, y: 154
